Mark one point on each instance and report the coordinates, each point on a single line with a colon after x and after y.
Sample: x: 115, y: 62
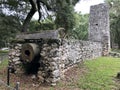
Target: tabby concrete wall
x: 99, y: 29
x: 56, y: 56
x: 74, y: 51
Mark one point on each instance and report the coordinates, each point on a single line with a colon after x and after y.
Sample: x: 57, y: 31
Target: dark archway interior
x: 33, y: 66
x: 27, y: 52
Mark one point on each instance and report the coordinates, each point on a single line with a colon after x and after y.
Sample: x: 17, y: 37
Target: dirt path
x: 26, y: 82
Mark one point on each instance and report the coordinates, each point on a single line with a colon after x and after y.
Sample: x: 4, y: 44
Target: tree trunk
x: 30, y: 15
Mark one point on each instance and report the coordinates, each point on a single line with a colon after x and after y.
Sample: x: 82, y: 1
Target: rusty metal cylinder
x: 29, y: 51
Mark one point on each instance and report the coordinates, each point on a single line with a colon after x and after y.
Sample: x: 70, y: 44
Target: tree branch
x: 30, y: 15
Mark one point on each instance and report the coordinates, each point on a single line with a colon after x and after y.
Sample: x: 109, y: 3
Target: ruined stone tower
x: 99, y: 30
x: 47, y: 55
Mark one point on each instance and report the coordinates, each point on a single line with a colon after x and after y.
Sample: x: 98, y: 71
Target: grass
x: 100, y: 75
x: 3, y: 51
x: 116, y: 50
x: 97, y: 74
x: 4, y: 64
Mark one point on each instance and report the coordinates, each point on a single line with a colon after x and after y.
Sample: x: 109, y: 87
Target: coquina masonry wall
x: 58, y: 54
x: 99, y: 29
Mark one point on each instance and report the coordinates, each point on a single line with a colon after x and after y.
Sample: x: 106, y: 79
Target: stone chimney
x: 99, y: 30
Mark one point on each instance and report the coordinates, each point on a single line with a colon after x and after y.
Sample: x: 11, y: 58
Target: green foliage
x: 46, y: 24
x: 101, y: 74
x: 62, y: 16
x: 115, y: 21
x: 62, y: 11
x: 65, y: 18
x: 9, y: 26
x: 81, y: 29
x: 116, y: 50
x: 4, y: 64
x: 35, y: 26
x: 115, y: 31
x: 18, y: 8
x: 3, y: 51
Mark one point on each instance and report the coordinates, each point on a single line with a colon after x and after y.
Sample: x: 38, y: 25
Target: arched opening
x: 27, y: 52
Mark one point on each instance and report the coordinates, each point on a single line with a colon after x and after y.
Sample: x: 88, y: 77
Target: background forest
x: 16, y: 17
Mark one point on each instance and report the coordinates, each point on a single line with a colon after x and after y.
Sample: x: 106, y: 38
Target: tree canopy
x: 16, y: 16
x: 115, y: 21
x: 25, y: 9
x: 9, y: 25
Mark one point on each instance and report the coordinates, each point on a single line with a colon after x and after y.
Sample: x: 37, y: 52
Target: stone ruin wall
x: 56, y: 58
x: 99, y: 29
x: 57, y: 55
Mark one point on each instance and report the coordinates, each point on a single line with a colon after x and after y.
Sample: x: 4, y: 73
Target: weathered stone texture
x: 74, y: 51
x: 46, y: 34
x: 58, y: 54
x: 99, y: 26
x: 114, y: 54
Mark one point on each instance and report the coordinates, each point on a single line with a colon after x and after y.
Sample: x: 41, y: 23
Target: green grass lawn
x: 101, y: 74
x: 3, y: 64
x: 5, y: 51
